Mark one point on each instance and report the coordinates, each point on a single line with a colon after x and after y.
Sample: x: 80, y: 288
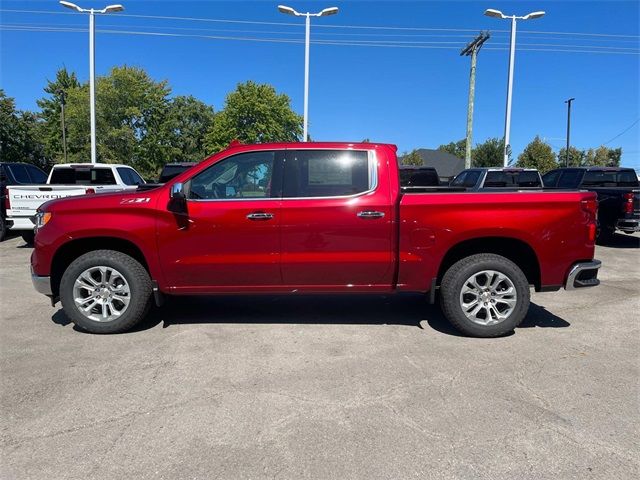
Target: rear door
x: 336, y: 222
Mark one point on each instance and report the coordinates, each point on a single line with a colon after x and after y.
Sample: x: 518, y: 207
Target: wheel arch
x: 516, y: 250
x: 73, y: 249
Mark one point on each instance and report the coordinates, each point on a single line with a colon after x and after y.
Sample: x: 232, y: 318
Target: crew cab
x: 65, y: 180
x: 495, y: 177
x: 293, y: 218
x: 617, y: 190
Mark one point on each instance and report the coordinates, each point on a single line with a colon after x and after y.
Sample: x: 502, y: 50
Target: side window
x: 570, y: 179
x: 20, y: 173
x: 129, y: 176
x: 37, y: 175
x: 246, y: 175
x: 459, y: 180
x: 551, y: 179
x: 326, y: 173
x: 471, y: 179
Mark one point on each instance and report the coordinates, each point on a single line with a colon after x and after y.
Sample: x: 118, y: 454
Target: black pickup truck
x: 618, y: 193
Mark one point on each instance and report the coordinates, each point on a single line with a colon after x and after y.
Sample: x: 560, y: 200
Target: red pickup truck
x: 312, y: 218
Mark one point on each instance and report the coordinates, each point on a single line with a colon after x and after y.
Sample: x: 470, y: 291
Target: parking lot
x: 323, y: 387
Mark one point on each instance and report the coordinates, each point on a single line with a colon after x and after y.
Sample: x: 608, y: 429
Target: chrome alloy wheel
x: 101, y: 294
x: 488, y: 297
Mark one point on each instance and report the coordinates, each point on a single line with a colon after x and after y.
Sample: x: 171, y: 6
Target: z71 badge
x: 129, y: 201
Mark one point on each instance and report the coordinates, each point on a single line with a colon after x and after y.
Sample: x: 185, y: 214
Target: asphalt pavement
x: 323, y: 387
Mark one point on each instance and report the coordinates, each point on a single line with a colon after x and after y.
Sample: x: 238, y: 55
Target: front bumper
x: 41, y: 284
x: 630, y: 225
x: 583, y: 274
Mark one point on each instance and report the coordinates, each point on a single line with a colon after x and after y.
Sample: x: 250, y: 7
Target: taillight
x: 90, y: 190
x: 7, y: 201
x: 627, y: 205
x: 590, y: 207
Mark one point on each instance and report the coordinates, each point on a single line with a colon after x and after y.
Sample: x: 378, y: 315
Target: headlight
x: 42, y: 218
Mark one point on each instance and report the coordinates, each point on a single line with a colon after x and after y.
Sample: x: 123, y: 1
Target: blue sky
x: 392, y: 90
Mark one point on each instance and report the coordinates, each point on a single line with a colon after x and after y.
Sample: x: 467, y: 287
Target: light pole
x: 568, y: 102
x: 92, y: 65
x: 490, y: 12
x: 63, y: 101
x: 322, y: 13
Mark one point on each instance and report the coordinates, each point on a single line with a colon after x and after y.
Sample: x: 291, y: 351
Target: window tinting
x: 418, y: 177
x: 528, y: 179
x: 471, y: 179
x: 551, y: 179
x: 37, y: 175
x: 82, y: 176
x: 129, y: 176
x: 326, y: 173
x: 603, y: 178
x: 247, y: 175
x: 570, y: 179
x: 19, y: 173
x: 171, y: 171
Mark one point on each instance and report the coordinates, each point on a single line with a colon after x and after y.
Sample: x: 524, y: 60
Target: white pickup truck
x: 65, y: 180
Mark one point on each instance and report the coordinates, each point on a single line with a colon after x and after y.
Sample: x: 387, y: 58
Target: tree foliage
x: 457, y: 149
x: 254, y: 113
x: 411, y: 158
x: 488, y: 154
x: 20, y: 134
x: 538, y: 154
x: 576, y: 157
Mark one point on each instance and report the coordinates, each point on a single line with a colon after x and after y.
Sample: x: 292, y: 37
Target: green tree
x: 603, y: 156
x: 50, y: 112
x: 488, y: 154
x: 455, y: 148
x: 576, y: 157
x: 131, y: 114
x: 411, y: 158
x: 188, y: 121
x: 19, y: 134
x: 254, y: 113
x: 538, y: 154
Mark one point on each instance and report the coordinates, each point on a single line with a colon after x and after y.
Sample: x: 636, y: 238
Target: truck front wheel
x: 485, y: 295
x: 105, y: 291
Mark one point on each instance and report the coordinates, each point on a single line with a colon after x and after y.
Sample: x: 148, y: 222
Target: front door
x: 228, y: 240
x: 336, y: 222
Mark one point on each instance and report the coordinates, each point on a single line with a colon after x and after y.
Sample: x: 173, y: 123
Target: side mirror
x: 177, y: 199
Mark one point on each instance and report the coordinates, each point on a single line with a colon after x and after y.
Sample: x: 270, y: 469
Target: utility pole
x: 568, y: 102
x: 63, y: 100
x: 472, y: 50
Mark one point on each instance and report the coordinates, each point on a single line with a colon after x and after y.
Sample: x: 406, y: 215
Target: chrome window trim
x: 372, y: 160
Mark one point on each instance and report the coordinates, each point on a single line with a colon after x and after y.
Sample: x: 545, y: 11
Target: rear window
x: 604, y: 178
x: 570, y: 179
x: 82, y: 176
x: 512, y: 179
x: 326, y: 173
x: 417, y: 177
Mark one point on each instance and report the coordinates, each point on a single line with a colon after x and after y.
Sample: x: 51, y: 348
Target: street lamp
x: 490, y: 12
x: 323, y: 13
x: 92, y: 65
x: 568, y: 102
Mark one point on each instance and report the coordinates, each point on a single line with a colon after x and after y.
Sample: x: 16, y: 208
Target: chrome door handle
x: 260, y: 216
x: 370, y: 214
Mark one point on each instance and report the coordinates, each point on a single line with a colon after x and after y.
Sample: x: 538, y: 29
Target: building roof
x: 446, y: 165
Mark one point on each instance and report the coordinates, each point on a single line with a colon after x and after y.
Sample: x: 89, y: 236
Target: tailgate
x: 25, y: 200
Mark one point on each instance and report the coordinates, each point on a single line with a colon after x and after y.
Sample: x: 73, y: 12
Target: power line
x: 362, y: 43
x: 254, y: 22
x: 622, y: 132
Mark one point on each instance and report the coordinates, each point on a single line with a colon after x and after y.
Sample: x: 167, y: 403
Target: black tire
x: 605, y: 235
x: 453, y: 283
x: 28, y: 236
x: 133, y: 272
x: 3, y: 228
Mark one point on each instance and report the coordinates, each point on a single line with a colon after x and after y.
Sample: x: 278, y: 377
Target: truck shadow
x: 622, y: 240
x: 407, y: 310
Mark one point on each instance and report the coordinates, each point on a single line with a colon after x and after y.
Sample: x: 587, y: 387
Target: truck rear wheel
x: 485, y: 295
x: 105, y: 291
x: 28, y: 236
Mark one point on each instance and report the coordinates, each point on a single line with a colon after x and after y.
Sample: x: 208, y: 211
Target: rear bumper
x: 628, y: 225
x: 583, y: 274
x: 42, y: 284
x: 21, y: 223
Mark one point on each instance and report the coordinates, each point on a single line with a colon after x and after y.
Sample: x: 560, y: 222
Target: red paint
x: 320, y: 244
